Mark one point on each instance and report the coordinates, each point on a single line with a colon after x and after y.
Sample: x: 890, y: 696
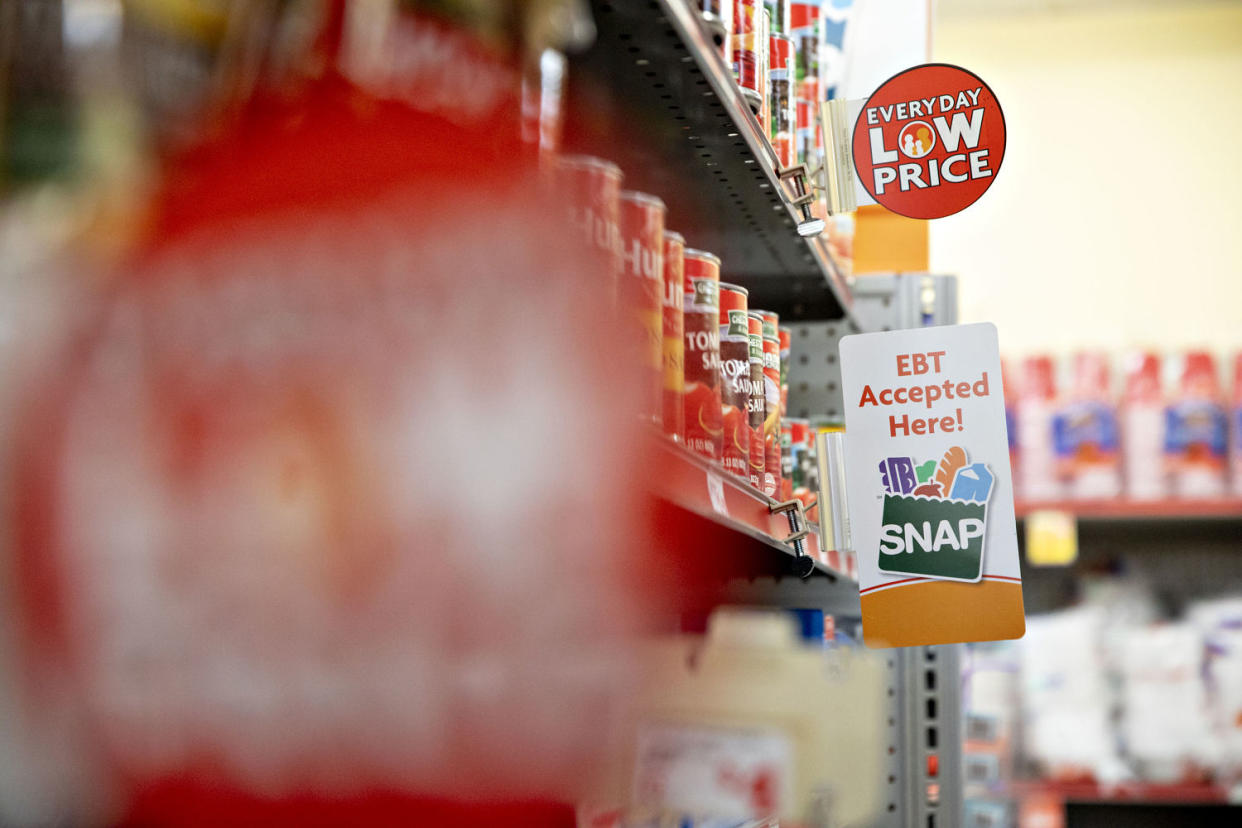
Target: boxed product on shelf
x: 1195, y: 430
x: 1142, y: 433
x: 1085, y: 432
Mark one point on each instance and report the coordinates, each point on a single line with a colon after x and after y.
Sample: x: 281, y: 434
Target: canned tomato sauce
x: 800, y: 456
x: 734, y: 379
x: 756, y: 405
x: 781, y: 100
x: 674, y: 336
x: 642, y: 290
x: 786, y: 336
x: 786, y: 461
x: 592, y: 187
x: 746, y: 52
x: 701, y: 314
x: 772, y: 397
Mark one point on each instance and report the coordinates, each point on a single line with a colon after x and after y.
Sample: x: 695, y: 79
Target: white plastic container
x: 750, y: 722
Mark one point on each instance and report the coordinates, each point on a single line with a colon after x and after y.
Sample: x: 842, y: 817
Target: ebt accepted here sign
x: 931, y: 494
x: 929, y: 142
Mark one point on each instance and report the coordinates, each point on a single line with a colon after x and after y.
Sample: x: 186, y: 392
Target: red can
x: 786, y: 336
x: 801, y: 436
x: 701, y: 314
x: 642, y: 290
x: 806, y: 138
x: 756, y: 405
x: 772, y: 398
x: 764, y: 39
x: 591, y: 188
x: 786, y: 461
x: 746, y: 52
x: 782, y: 101
x: 674, y: 336
x: 734, y: 379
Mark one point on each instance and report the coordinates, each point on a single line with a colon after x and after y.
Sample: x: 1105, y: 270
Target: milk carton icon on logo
x: 935, y: 516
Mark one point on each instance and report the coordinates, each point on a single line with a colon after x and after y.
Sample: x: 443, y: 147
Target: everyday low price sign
x: 931, y: 494
x: 930, y: 141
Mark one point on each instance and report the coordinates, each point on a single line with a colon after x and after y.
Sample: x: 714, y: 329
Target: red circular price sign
x: 929, y: 141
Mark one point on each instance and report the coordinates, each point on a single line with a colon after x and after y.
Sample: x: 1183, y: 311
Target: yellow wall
x: 1116, y: 219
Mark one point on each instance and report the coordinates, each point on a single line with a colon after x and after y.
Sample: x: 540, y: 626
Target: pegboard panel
x: 815, y: 368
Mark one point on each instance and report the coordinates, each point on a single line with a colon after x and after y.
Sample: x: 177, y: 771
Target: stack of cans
x: 775, y: 49
x: 714, y: 370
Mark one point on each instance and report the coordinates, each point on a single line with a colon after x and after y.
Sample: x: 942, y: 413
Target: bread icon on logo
x: 953, y: 460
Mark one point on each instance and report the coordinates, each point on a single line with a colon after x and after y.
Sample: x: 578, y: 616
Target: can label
x: 771, y: 415
x: 772, y: 399
x: 746, y: 44
x: 756, y: 406
x: 592, y: 192
x: 642, y: 258
x: 786, y: 337
x: 804, y: 28
x: 734, y: 382
x: 701, y: 402
x: 674, y: 339
x: 781, y: 98
x: 786, y: 461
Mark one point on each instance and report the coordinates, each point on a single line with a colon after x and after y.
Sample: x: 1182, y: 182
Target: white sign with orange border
x: 931, y: 491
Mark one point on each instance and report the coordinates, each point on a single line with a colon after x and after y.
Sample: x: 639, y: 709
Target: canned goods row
x: 773, y: 47
x: 716, y: 371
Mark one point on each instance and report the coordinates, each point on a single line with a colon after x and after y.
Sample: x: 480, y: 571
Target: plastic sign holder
x: 931, y: 510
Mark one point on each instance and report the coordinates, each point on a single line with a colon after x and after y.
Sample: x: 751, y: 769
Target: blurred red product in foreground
x: 331, y: 516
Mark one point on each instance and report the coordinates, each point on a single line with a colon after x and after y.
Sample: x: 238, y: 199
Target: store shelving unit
x: 1088, y: 805
x: 1229, y: 509
x: 695, y: 485
x: 654, y: 94
x: 1135, y: 537
x: 1147, y: 793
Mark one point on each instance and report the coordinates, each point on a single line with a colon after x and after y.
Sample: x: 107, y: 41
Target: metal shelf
x: 695, y: 485
x: 654, y: 94
x: 1127, y: 792
x: 1141, y: 510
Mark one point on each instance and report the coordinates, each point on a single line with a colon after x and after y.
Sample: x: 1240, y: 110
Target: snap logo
x: 935, y: 516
